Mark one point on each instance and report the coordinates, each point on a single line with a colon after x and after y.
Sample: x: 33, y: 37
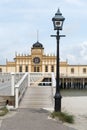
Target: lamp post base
x: 57, y: 102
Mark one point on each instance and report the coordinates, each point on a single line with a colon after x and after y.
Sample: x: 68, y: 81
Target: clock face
x: 36, y: 60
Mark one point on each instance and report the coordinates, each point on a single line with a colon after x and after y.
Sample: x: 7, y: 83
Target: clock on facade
x: 36, y: 60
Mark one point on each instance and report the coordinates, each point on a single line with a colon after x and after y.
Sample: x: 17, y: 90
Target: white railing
x: 20, y: 88
x: 53, y: 87
x: 53, y: 80
x: 37, y: 77
x: 7, y: 83
x: 15, y: 78
x: 18, y: 76
x: 4, y: 76
x: 16, y: 83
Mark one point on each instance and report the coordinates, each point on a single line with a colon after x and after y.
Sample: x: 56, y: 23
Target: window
x: 0, y: 69
x: 26, y: 68
x: 84, y: 70
x: 20, y: 68
x: 46, y: 68
x: 38, y: 69
x: 52, y: 68
x: 72, y: 70
x: 34, y: 68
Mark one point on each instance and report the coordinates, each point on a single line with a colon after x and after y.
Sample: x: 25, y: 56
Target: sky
x: 21, y: 19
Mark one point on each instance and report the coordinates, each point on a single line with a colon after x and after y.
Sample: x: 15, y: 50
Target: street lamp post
x: 58, y: 20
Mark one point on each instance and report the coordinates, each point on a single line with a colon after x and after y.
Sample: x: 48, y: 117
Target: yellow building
x: 37, y: 61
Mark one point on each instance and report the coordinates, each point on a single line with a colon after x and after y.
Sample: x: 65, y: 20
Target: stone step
x: 35, y: 106
x: 33, y: 101
x: 31, y: 104
x: 37, y: 98
x: 37, y: 95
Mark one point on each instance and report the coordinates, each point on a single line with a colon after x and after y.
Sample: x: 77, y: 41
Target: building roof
x: 37, y: 45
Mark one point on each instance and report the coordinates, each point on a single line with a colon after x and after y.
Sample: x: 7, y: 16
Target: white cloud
x: 72, y: 58
x: 83, y: 51
x: 76, y: 54
x: 19, y: 20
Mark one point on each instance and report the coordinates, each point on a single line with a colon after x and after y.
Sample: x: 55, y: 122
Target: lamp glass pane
x: 58, y: 23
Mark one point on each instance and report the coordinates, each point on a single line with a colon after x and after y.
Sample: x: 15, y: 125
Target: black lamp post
x: 58, y: 20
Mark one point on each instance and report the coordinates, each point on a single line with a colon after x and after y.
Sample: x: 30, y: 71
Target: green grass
x: 63, y: 116
x: 3, y: 111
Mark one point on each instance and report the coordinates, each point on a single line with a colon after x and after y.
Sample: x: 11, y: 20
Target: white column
x: 83, y: 83
x: 53, y: 80
x: 28, y: 79
x: 12, y: 83
x: 16, y: 96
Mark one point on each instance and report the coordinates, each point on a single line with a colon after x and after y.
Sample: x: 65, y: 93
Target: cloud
x: 83, y: 51
x: 76, y: 54
x: 19, y: 20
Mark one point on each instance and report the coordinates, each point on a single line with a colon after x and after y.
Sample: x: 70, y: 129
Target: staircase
x: 37, y: 97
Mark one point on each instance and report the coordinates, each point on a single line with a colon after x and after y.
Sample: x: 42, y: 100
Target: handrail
x: 20, y: 88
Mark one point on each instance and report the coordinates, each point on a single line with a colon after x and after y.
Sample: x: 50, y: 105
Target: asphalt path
x: 32, y: 119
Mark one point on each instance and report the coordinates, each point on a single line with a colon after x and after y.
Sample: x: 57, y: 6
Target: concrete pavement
x: 31, y: 119
x: 76, y: 106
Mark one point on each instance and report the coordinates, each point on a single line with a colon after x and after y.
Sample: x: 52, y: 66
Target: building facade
x: 37, y: 61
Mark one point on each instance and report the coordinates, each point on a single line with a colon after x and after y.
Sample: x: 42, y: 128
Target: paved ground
x: 37, y: 119
x: 31, y: 119
x: 77, y: 106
